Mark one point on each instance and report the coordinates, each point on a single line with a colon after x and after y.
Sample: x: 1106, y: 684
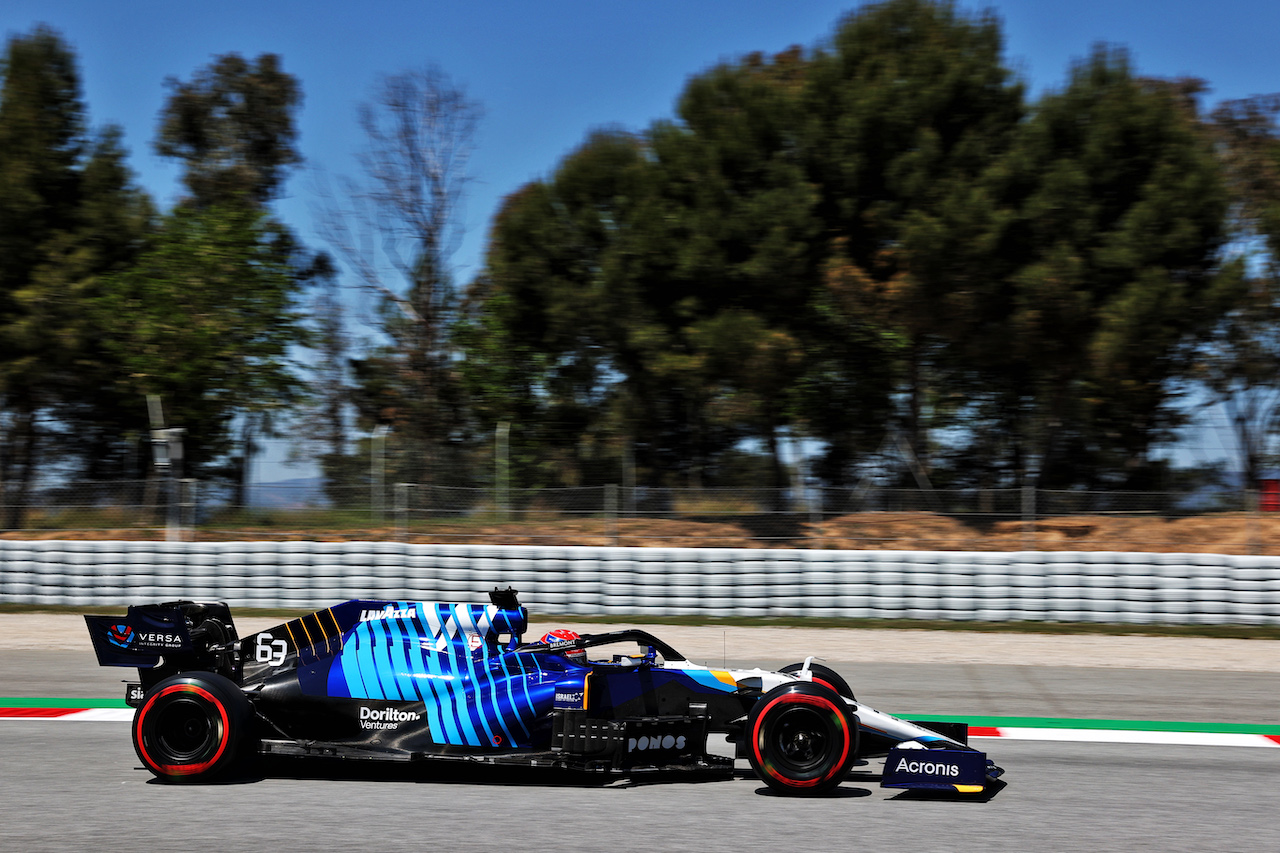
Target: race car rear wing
x: 148, y: 632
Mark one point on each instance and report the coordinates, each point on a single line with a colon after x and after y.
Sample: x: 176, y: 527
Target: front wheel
x: 190, y: 728
x: 803, y: 738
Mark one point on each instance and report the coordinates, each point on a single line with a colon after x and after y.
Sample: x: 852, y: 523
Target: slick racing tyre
x: 823, y: 675
x: 190, y: 728
x: 803, y: 738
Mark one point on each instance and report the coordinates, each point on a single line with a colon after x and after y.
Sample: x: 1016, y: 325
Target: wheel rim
x: 801, y: 739
x: 184, y: 731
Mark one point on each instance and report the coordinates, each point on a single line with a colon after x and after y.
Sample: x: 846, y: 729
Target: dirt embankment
x: 1224, y: 533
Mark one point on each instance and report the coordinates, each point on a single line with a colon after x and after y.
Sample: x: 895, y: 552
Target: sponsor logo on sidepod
x: 385, y: 718
x: 927, y: 768
x: 387, y: 612
x: 655, y: 742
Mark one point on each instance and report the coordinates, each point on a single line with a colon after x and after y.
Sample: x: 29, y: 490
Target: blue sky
x: 546, y: 73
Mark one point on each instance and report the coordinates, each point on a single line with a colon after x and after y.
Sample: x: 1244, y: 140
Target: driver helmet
x: 561, y: 635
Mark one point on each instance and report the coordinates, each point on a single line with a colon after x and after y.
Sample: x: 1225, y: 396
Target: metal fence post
x: 611, y: 512
x: 629, y: 481
x: 1029, y: 518
x: 502, y: 471
x: 378, y: 472
x: 1253, y: 508
x: 173, y: 509
x: 402, y: 510
x: 816, y: 499
x: 187, y: 508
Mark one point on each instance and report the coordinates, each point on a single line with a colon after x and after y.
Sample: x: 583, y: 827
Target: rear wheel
x: 823, y: 675
x: 803, y: 738
x: 191, y: 728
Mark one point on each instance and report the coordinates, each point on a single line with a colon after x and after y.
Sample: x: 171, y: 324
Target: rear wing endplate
x: 140, y: 637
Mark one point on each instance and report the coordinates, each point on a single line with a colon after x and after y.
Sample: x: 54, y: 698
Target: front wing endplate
x: 952, y: 770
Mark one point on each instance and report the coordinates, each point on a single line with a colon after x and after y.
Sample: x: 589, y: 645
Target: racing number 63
x: 270, y: 650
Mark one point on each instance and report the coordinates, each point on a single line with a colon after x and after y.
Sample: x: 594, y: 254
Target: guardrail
x: 1093, y: 586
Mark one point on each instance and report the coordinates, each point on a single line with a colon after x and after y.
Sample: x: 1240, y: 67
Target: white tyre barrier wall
x: 1087, y: 586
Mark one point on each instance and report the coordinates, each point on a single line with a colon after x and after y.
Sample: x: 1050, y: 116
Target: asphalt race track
x: 79, y: 786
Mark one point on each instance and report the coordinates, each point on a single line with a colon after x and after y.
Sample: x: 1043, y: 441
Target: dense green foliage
x: 877, y: 238
x: 232, y: 127
x: 69, y: 216
x: 215, y: 296
x: 211, y: 320
x: 103, y: 302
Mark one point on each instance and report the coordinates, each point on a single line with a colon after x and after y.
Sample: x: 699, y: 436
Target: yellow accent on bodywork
x: 968, y: 789
x: 337, y: 628
x: 290, y: 633
x: 303, y: 622
x: 724, y: 676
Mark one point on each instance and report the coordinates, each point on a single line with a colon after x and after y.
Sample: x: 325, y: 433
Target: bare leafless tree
x: 396, y: 229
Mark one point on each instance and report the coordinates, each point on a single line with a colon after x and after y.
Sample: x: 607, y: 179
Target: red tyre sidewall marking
x: 803, y: 699
x: 182, y: 769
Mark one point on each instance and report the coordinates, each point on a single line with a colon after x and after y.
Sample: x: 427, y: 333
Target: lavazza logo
x: 385, y: 718
x: 927, y: 768
x: 387, y: 612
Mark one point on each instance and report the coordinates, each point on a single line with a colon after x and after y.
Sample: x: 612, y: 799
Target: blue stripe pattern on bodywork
x: 427, y: 687
x: 398, y: 662
x: 365, y: 663
x: 457, y: 690
x: 481, y: 681
x: 409, y: 651
x: 383, y: 630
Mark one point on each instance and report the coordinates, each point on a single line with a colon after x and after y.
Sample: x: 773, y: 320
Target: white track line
x: 1130, y: 736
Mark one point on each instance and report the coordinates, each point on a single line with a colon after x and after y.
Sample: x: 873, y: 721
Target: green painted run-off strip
x: 991, y: 722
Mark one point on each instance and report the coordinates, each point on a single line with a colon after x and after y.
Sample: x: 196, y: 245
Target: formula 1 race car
x: 408, y: 681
